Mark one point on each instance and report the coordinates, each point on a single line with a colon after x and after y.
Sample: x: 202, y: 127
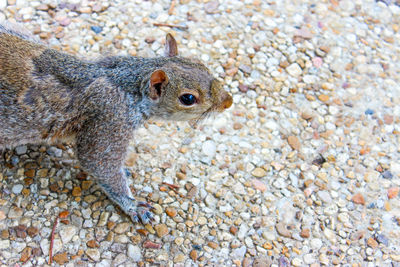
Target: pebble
x: 134, y: 252
x: 161, y: 230
x: 282, y: 230
x: 294, y: 142
x: 67, y: 233
x: 358, y: 199
x: 209, y: 148
x: 17, y: 189
x: 294, y: 70
x: 259, y: 172
x: 93, y: 254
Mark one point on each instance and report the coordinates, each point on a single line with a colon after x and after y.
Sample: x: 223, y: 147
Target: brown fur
x: 48, y: 96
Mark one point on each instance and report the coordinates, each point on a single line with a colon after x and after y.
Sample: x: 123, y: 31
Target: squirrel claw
x: 146, y: 205
x: 144, y: 214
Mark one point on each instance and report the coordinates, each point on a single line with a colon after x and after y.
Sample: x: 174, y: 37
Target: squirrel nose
x: 226, y: 101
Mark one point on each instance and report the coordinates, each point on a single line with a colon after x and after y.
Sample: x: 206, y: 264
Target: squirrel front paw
x: 141, y: 212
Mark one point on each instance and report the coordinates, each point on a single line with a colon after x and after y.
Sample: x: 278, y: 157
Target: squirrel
x: 48, y: 96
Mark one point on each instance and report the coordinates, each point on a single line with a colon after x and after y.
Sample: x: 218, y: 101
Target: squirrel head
x: 184, y: 89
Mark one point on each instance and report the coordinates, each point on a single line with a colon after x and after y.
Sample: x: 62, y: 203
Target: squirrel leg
x: 101, y: 150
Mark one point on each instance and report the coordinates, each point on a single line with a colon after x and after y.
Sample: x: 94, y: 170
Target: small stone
x: 212, y: 245
x: 67, y: 233
x: 26, y: 254
x: 77, y: 191
x: 122, y: 228
x: 42, y: 7
x: 134, y: 253
x: 294, y: 142
x: 358, y: 199
x: 305, y: 233
x: 259, y: 172
x: 211, y: 7
x: 233, y: 230
x: 96, y: 29
x: 20, y: 150
x: 202, y: 220
x: 2, y: 215
x: 258, y: 185
x: 294, y: 70
x: 15, y: 213
x: 323, y: 98
x: 193, y: 255
x: 92, y: 244
x: 4, y: 244
x: 171, y: 212
x: 61, y: 258
x: 86, y: 184
x: 161, y: 230
x: 93, y: 254
x: 150, y: 244
x: 382, y: 239
x: 372, y: 243
x: 282, y: 230
x: 393, y: 192
x: 209, y: 148
x: 16, y: 189
x: 179, y: 258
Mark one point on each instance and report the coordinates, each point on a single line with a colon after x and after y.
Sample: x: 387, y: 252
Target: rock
x: 93, y: 254
x: 294, y: 70
x: 257, y: 184
x: 20, y: 150
x: 211, y: 7
x: 134, y: 253
x: 294, y: 142
x: 15, y: 213
x: 305, y: 233
x: 393, y: 192
x: 259, y: 172
x: 61, y: 258
x: 67, y: 233
x: 162, y: 230
x: 209, y: 148
x: 193, y: 255
x: 122, y: 228
x: 4, y: 244
x: 171, y: 212
x: 372, y: 243
x: 26, y: 254
x: 282, y: 230
x: 358, y: 199
x: 16, y: 189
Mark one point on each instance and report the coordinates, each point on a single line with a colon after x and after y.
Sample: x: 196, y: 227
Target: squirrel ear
x: 171, y: 48
x: 158, y: 80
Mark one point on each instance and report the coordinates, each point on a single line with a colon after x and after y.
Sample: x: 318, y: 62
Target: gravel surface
x: 303, y: 170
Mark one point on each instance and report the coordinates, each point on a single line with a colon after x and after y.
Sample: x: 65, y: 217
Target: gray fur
x: 49, y: 96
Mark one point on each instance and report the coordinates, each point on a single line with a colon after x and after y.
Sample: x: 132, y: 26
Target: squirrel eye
x: 187, y: 99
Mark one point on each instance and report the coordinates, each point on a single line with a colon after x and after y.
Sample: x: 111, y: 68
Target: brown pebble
x: 233, y: 230
x: 358, y: 199
x: 42, y: 7
x: 305, y: 233
x: 142, y: 232
x: 180, y: 175
x: 5, y: 234
x: 237, y: 126
x: 30, y: 173
x: 92, y: 244
x: 162, y: 230
x: 372, y: 242
x: 150, y: 244
x: 171, y: 212
x: 193, y: 255
x: 36, y: 252
x: 26, y: 254
x: 63, y: 214
x: 393, y: 192
x: 294, y: 142
x: 86, y: 184
x: 54, y: 187
x: 243, y: 88
x: 323, y: 98
x: 212, y: 245
x: 20, y: 231
x: 32, y: 231
x: 77, y: 191
x: 81, y: 176
x: 61, y: 258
